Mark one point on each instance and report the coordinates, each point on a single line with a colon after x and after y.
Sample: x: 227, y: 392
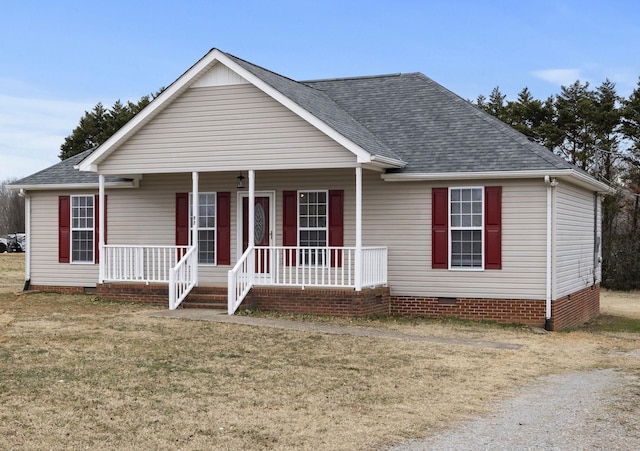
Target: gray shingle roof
x: 405, y: 117
x: 433, y: 129
x: 63, y: 173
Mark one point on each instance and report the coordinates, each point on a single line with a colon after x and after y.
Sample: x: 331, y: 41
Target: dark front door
x: 261, y: 230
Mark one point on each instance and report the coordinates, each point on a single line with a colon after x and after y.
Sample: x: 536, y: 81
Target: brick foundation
x: 61, y: 289
x: 314, y: 301
x: 569, y: 311
x: 576, y: 308
x: 135, y: 292
x: 529, y: 312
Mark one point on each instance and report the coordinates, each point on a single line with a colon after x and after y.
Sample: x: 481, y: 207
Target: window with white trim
x: 82, y: 229
x: 206, y: 227
x: 466, y: 228
x: 313, y: 225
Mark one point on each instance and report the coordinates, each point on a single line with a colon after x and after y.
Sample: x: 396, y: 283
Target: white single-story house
x: 376, y: 195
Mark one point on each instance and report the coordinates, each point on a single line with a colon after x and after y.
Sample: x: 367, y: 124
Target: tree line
x: 599, y: 132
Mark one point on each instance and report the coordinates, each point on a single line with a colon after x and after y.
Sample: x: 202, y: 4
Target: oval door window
x: 259, y: 219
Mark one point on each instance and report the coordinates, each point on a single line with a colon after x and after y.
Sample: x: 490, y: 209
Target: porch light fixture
x: 240, y: 184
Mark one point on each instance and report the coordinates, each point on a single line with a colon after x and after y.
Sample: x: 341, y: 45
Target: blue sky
x: 58, y: 59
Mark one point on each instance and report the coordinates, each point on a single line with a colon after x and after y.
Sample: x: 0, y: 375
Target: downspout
x: 27, y: 243
x: 551, y: 184
x: 596, y: 239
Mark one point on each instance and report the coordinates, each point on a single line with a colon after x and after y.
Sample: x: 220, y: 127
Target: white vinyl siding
x: 45, y: 269
x: 398, y: 215
x: 221, y: 128
x: 574, y: 263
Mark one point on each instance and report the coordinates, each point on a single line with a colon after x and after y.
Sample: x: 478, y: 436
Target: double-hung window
x: 466, y: 220
x: 206, y: 227
x: 82, y: 229
x: 313, y: 226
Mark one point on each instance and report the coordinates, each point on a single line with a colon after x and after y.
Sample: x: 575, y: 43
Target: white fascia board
x: 415, y: 176
x: 90, y: 163
x: 579, y: 178
x: 74, y: 186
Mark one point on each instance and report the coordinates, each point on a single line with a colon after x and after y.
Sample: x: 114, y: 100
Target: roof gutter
x: 579, y: 178
x: 387, y: 161
x: 135, y: 183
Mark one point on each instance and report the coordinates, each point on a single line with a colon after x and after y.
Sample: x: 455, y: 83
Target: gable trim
x: 90, y: 164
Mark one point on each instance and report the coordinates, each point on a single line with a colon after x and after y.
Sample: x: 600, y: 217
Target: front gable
x: 220, y: 124
x: 219, y: 115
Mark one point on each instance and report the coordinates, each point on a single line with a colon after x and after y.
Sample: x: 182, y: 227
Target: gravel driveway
x: 592, y: 410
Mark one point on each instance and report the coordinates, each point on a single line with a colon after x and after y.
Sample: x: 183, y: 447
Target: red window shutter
x: 223, y: 228
x: 336, y: 225
x: 290, y: 223
x: 440, y: 228
x: 64, y: 229
x: 493, y: 227
x: 182, y: 219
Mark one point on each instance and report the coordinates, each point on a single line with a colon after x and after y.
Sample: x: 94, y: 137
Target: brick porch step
x: 206, y: 297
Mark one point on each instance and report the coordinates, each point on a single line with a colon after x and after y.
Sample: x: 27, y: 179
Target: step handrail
x: 183, y: 277
x: 240, y: 280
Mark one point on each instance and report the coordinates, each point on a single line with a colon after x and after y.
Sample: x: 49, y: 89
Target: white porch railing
x: 174, y: 265
x: 183, y: 277
x: 305, y: 267
x: 333, y: 267
x: 374, y: 266
x: 134, y: 263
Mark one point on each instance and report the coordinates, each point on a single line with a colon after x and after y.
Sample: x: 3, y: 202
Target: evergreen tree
x: 495, y: 105
x: 606, y: 122
x: 99, y: 124
x: 575, y: 107
x: 534, y: 118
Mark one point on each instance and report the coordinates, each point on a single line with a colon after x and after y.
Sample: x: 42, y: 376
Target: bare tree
x: 11, y: 210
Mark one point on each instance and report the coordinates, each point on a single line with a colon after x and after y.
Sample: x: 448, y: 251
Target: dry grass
x: 77, y: 373
x: 619, y: 303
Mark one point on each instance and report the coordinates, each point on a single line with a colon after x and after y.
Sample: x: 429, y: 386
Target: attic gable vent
x: 219, y: 75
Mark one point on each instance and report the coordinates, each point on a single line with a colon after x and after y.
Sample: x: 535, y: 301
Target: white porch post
x: 252, y: 200
x: 358, y: 256
x: 101, y: 228
x: 251, y: 221
x: 195, y: 209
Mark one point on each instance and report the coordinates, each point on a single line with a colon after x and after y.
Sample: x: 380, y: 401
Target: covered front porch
x: 263, y: 263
